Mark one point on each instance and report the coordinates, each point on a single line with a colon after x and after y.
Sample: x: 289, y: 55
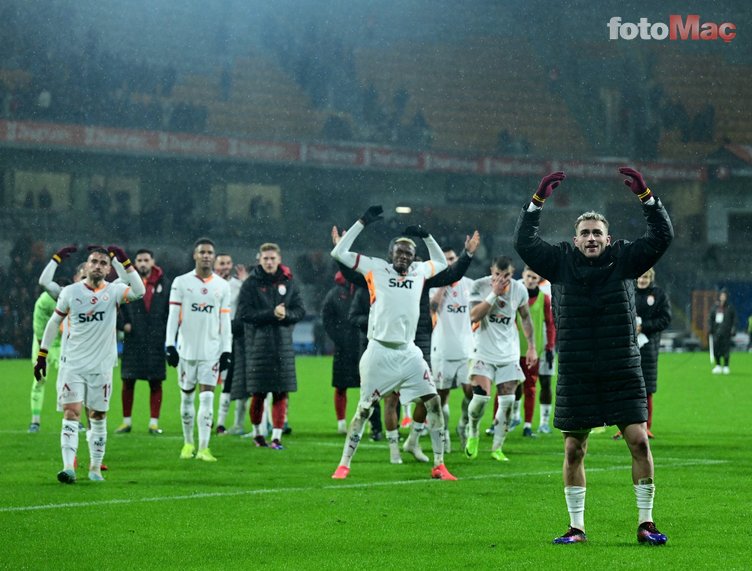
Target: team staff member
x: 269, y: 306
x: 600, y: 380
x: 144, y: 323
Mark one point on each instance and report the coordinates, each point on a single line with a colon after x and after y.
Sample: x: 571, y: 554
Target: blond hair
x: 590, y: 215
x: 266, y: 246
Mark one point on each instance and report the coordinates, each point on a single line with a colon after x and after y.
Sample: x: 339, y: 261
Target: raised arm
x: 127, y: 273
x: 438, y: 259
x: 341, y: 251
x: 46, y: 279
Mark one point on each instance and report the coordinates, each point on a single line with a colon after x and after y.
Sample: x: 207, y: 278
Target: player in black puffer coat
x: 600, y: 378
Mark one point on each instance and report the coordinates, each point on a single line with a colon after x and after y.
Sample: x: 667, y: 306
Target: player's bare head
x: 144, y: 262
x: 270, y: 256
x: 97, y: 264
x: 80, y: 273
x: 646, y: 279
x: 402, y: 253
x: 450, y: 254
x: 223, y: 265
x: 591, y: 234
x: 723, y: 295
x: 502, y: 266
x: 530, y: 278
x: 203, y: 254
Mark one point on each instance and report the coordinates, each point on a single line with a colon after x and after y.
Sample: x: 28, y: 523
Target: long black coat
x: 446, y: 277
x: 143, y: 347
x: 267, y: 342
x: 600, y: 379
x: 724, y: 331
x: 346, y: 337
x: 654, y: 308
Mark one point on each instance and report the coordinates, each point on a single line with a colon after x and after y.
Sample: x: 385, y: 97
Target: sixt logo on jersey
x: 498, y: 318
x: 202, y: 307
x: 456, y: 308
x: 676, y: 29
x: 401, y: 283
x: 91, y: 316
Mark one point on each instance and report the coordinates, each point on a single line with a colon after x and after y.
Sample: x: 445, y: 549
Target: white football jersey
x: 235, y: 285
x: 496, y: 339
x: 452, y: 338
x: 201, y: 301
x: 395, y: 299
x: 89, y: 336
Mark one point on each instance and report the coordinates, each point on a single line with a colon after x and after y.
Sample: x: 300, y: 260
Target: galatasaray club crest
x: 94, y: 300
x: 204, y: 291
x: 282, y: 289
x: 651, y: 300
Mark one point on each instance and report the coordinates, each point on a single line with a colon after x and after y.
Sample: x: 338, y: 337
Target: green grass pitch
x: 265, y: 509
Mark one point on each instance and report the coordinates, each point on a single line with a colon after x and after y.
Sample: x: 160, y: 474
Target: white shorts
x: 498, y: 373
x: 197, y: 372
x: 384, y: 370
x: 92, y: 389
x: 543, y: 368
x: 450, y: 374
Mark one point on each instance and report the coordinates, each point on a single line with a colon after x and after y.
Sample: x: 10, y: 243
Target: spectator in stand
x: 722, y: 330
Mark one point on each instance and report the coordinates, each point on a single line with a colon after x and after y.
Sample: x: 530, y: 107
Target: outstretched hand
x: 64, y: 252
x: 546, y: 187
x: 472, y: 242
x: 636, y: 183
x: 373, y: 214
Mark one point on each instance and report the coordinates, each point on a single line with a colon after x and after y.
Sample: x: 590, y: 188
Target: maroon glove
x: 63, y: 253
x: 40, y: 367
x: 546, y: 187
x: 119, y: 253
x: 636, y: 183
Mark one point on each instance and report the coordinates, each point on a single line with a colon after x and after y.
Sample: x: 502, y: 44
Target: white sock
x: 224, y: 408
x: 436, y: 425
x: 188, y: 415
x: 392, y: 437
x: 501, y: 421
x: 97, y: 444
x: 257, y: 431
x: 342, y: 425
x: 516, y: 410
x: 475, y: 411
x: 575, y: 496
x: 545, y: 414
x: 354, y: 435
x: 644, y: 493
x: 153, y: 421
x: 416, y: 431
x: 528, y: 425
x: 276, y: 434
x: 240, y: 412
x: 69, y: 443
x: 128, y: 420
x: 205, y: 418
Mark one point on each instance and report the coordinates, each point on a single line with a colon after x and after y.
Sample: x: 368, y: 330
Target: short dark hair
x: 202, y: 241
x: 224, y: 254
x: 446, y: 249
x: 98, y: 250
x: 502, y: 262
x: 145, y: 251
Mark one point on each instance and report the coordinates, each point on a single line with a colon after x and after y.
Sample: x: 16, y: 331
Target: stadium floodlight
x: 403, y: 210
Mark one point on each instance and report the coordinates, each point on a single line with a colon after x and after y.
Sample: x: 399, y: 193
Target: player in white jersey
x: 495, y: 302
x: 451, y: 344
x: 392, y: 362
x: 223, y: 267
x: 90, y: 352
x: 200, y: 318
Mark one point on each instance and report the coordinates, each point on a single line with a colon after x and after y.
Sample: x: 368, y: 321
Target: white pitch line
x: 677, y: 464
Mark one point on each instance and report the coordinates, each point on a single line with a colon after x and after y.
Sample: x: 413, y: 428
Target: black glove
x: 40, y: 367
x: 373, y: 214
x: 417, y: 231
x: 225, y: 361
x: 549, y: 358
x: 171, y: 354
